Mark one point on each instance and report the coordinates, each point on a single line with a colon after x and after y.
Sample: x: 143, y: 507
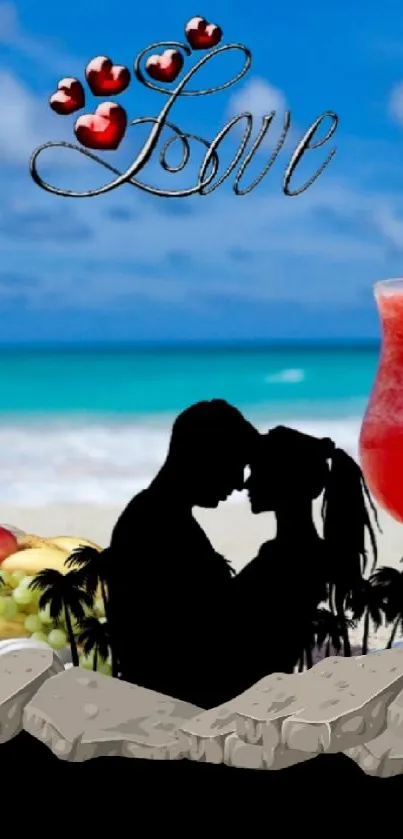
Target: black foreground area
x: 324, y: 775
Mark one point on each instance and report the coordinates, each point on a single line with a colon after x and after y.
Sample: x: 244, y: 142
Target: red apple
x: 15, y: 531
x: 8, y: 543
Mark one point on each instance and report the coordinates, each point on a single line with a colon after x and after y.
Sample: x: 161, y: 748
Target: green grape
x: 25, y: 583
x: 39, y: 636
x: 2, y: 605
x: 45, y: 617
x: 33, y: 623
x: 16, y: 577
x: 57, y: 639
x: 105, y: 668
x: 86, y: 661
x: 10, y: 608
x: 5, y: 575
x: 99, y: 607
x: 22, y: 596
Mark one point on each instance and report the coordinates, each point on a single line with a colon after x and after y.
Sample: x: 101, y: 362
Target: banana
x: 71, y: 543
x: 33, y: 560
x: 12, y: 629
x: 29, y: 540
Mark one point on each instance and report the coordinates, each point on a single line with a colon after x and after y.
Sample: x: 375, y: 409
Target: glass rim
x: 393, y: 284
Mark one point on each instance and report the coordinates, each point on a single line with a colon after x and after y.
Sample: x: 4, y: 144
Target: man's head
x: 211, y: 444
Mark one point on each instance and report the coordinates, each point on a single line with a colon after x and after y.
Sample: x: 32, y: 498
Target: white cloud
x: 292, y: 257
x: 396, y: 103
x: 258, y: 97
x: 265, y: 223
x: 20, y: 126
x: 27, y: 122
x: 390, y: 225
x: 94, y: 290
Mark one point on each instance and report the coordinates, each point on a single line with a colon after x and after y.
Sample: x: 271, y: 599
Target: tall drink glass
x: 381, y: 438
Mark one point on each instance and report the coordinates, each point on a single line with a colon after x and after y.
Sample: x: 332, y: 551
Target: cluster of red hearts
x: 105, y: 128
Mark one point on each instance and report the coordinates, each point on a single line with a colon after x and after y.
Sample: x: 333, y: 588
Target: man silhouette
x: 167, y: 585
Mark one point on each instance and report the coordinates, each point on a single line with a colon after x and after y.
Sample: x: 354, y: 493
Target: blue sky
x: 129, y: 267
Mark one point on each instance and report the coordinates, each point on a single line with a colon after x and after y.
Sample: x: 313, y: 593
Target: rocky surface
x: 81, y: 715
x: 337, y: 706
x: 382, y: 757
x: 22, y: 672
x: 342, y: 709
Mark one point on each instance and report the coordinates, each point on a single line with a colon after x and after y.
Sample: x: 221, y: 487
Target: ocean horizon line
x: 191, y: 346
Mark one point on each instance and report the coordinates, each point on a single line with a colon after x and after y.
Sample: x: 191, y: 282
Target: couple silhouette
x: 181, y: 622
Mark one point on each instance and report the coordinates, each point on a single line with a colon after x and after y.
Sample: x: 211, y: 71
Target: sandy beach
x: 232, y: 529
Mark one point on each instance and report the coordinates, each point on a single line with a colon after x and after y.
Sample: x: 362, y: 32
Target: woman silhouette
x: 276, y: 596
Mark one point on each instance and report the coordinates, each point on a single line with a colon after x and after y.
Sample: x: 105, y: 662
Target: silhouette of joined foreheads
x: 179, y: 622
x: 167, y: 584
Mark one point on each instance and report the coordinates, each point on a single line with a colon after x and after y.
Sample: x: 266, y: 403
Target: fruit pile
x: 22, y: 556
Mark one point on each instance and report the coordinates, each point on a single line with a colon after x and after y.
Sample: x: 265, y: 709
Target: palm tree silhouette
x: 94, y: 637
x: 308, y: 642
x: 91, y: 565
x: 389, y: 582
x: 325, y: 628
x: 329, y: 630
x: 64, y: 595
x: 348, y: 591
x: 365, y: 601
x: 308, y: 634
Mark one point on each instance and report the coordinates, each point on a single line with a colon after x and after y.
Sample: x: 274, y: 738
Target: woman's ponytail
x: 346, y: 522
x: 346, y: 513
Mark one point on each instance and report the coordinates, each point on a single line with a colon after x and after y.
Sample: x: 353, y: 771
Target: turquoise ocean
x: 93, y: 425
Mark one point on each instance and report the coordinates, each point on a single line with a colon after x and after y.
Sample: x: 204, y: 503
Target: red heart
x: 201, y: 34
x: 165, y: 67
x: 103, y: 129
x: 68, y: 98
x: 105, y: 78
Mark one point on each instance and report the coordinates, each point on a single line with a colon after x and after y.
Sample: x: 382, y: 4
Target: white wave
x: 288, y: 376
x: 107, y: 463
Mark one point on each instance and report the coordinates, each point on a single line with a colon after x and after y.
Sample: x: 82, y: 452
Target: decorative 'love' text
x: 105, y: 129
